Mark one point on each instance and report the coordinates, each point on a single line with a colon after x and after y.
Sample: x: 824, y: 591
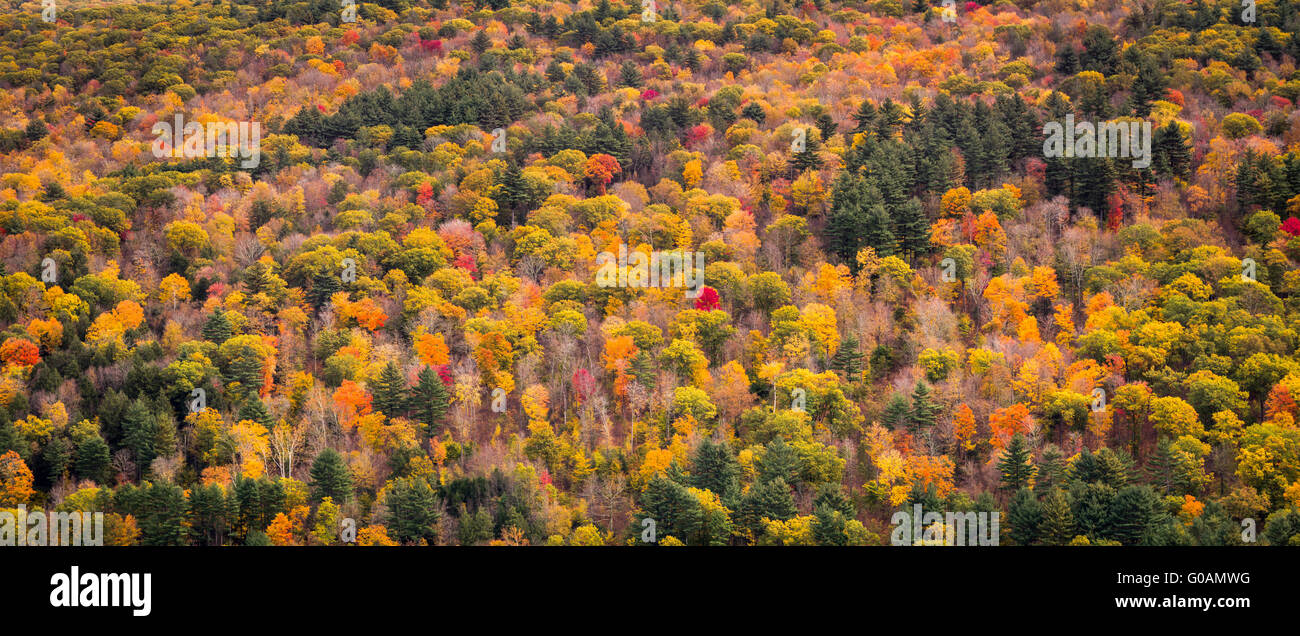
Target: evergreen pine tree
x: 246, y: 369
x: 1092, y: 509
x: 1094, y: 181
x: 1058, y: 174
x: 1025, y: 514
x: 713, y: 468
x: 1095, y: 102
x: 897, y: 414
x: 832, y: 495
x: 609, y: 137
x: 994, y: 149
x: 217, y: 328
x: 273, y: 498
x: 206, y: 515
x: 1149, y: 86
x: 826, y: 125
x: 806, y: 159
x: 93, y: 460
x: 913, y: 229
x: 848, y: 359
x: 330, y: 477
x: 165, y: 426
x: 925, y: 412
x: 643, y: 369
x: 1247, y: 61
x: 337, y: 193
x: 1052, y: 469
x: 9, y: 437
x: 1104, y: 466
x: 889, y: 118
x: 769, y: 499
x: 413, y: 510
x: 877, y: 232
x: 230, y: 510
x: 1100, y: 50
x: 56, y: 456
x: 140, y: 432
x: 480, y: 43
x: 1251, y: 183
x: 35, y: 130
x: 323, y: 286
x: 1057, y: 527
x: 309, y: 126
x: 865, y: 117
x: 475, y: 528
x: 919, y: 114
x: 257, y: 277
x: 692, y: 59
x: 391, y: 391
x: 430, y: 401
x: 891, y: 178
x: 343, y: 124
x: 847, y: 219
x: 779, y: 461
x: 555, y: 71
x: 1135, y: 514
x: 1160, y: 468
x: 1023, y: 129
x: 1171, y: 156
x: 629, y: 75
x: 1067, y: 61
x: 512, y: 195
x: 1016, y: 465
x: 255, y: 410
x: 675, y: 511
x: 162, y: 521
x: 828, y: 527
x: 247, y: 507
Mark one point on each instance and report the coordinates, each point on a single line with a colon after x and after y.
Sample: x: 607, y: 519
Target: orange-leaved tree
x: 600, y: 170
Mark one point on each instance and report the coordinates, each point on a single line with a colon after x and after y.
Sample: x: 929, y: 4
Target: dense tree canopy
x: 396, y: 315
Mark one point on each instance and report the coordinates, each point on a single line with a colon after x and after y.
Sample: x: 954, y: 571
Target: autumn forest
x: 670, y: 272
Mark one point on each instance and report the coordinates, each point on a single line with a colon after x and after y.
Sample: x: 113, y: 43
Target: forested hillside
x: 324, y: 273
